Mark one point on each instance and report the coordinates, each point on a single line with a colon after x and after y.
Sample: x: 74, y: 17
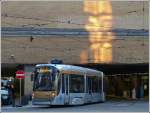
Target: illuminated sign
x: 44, y: 70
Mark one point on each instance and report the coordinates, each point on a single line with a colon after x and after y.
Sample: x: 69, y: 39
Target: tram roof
x: 64, y: 67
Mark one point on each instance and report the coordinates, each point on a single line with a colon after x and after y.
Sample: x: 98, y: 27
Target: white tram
x: 59, y: 84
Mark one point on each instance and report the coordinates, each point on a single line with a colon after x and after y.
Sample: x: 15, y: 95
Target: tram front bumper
x: 43, y: 97
x: 41, y: 102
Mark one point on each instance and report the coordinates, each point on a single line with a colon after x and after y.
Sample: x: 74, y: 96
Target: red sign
x: 20, y: 74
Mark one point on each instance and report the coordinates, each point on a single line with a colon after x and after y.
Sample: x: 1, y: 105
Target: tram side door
x: 89, y: 88
x: 66, y: 84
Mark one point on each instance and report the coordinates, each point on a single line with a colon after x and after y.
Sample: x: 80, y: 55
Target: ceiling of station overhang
x: 108, y: 69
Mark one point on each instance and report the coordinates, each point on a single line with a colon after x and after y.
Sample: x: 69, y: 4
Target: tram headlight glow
x: 53, y: 94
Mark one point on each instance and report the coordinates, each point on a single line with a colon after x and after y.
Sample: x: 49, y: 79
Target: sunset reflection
x: 99, y: 23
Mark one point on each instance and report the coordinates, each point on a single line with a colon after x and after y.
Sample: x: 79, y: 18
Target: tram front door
x: 66, y: 84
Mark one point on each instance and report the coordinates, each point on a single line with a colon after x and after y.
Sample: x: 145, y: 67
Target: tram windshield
x: 44, y: 79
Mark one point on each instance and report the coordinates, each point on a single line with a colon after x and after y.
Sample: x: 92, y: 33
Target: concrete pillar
x: 28, y: 84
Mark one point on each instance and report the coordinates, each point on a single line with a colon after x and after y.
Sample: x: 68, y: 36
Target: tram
x: 60, y: 84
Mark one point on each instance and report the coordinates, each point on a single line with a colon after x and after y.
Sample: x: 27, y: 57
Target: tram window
x: 76, y: 84
x: 94, y: 84
x: 63, y: 84
x: 59, y: 82
x: 67, y: 85
x: 100, y: 84
x: 89, y: 84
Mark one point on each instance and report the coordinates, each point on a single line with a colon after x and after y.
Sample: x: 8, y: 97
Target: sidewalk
x: 17, y: 104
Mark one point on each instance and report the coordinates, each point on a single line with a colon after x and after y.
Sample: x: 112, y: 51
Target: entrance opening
x: 129, y: 81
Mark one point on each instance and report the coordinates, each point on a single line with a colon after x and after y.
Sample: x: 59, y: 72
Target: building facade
x: 78, y: 32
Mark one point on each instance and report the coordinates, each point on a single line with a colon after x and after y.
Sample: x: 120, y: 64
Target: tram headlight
x: 53, y: 94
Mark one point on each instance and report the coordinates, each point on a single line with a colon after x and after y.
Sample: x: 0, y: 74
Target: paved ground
x: 109, y: 106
